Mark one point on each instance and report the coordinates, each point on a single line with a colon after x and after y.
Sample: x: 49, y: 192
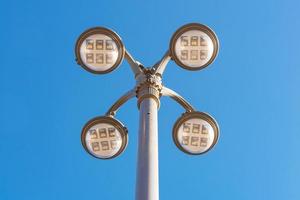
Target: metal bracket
x: 179, y: 99
x: 114, y: 108
x: 136, y: 67
x: 142, y: 75
x: 160, y: 66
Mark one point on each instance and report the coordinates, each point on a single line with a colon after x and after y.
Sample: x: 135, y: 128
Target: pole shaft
x: 147, y: 186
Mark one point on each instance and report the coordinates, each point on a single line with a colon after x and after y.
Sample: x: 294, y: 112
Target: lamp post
x: 100, y: 50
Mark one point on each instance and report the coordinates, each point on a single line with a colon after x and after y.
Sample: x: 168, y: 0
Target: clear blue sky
x: 252, y: 89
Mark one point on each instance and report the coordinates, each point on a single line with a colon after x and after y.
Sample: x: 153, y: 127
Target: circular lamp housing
x: 99, y: 50
x: 195, y: 133
x: 104, y: 137
x: 194, y: 46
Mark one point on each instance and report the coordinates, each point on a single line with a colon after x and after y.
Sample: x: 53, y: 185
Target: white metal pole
x: 147, y: 186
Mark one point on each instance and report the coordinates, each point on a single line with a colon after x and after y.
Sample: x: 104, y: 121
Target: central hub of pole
x: 148, y: 85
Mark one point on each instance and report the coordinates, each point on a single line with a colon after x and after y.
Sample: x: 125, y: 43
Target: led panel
x: 194, y: 46
x: 195, y: 133
x: 99, y: 50
x: 104, y: 137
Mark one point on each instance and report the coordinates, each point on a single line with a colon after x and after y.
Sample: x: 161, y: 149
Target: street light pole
x: 100, y: 50
x: 147, y: 184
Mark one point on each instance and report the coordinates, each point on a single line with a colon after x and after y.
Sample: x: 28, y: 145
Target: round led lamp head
x: 194, y: 46
x: 195, y: 133
x: 99, y: 50
x: 104, y: 137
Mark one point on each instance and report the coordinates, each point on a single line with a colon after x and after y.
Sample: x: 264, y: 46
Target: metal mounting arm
x: 114, y: 108
x: 160, y: 66
x: 136, y: 67
x: 179, y: 99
